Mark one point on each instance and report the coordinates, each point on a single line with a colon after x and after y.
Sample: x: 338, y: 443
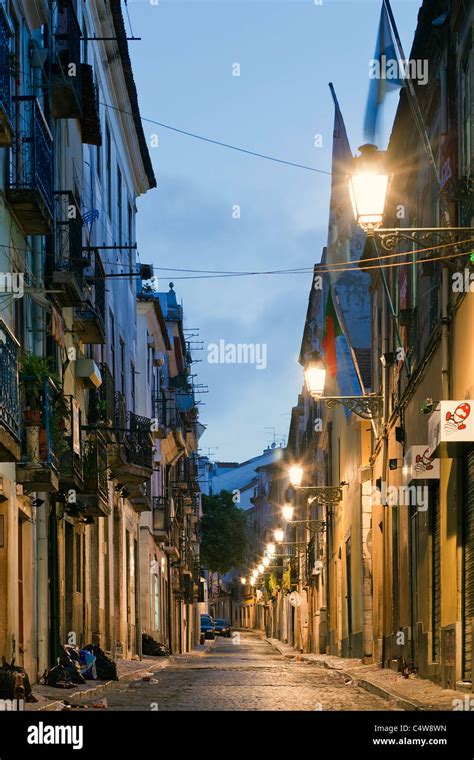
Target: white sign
x: 294, y: 599
x: 419, y: 465
x: 450, y: 426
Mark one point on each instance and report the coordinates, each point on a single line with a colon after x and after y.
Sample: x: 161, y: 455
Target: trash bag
x: 8, y: 679
x: 105, y: 667
x: 58, y: 677
x: 87, y: 664
x: 69, y: 659
x: 153, y: 648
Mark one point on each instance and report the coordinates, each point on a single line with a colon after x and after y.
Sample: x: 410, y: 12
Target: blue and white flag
x: 386, y: 73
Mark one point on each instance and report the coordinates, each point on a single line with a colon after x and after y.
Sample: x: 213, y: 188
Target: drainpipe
x: 385, y: 345
x: 445, y: 319
x: 55, y: 640
x: 42, y: 590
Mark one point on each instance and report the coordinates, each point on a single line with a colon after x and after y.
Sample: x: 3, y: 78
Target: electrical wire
x: 217, y: 142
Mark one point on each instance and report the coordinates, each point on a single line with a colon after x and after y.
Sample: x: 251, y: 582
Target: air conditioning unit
x: 88, y: 371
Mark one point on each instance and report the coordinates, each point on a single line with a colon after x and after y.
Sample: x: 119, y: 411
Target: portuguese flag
x: 332, y: 329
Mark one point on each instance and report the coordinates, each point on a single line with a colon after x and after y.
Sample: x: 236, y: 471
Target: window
x: 119, y: 206
x: 112, y: 343
x: 130, y: 240
x: 122, y: 366
x: 108, y: 169
x: 133, y: 389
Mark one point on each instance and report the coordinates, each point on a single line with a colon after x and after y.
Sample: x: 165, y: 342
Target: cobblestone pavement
x: 243, y: 673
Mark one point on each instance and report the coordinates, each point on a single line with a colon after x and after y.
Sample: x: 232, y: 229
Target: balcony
x: 131, y: 459
x: 165, y: 412
x: 69, y: 262
x: 29, y: 191
x: 140, y: 497
x: 69, y: 449
x: 90, y: 122
x: 102, y: 400
x: 6, y: 128
x: 66, y: 70
x: 88, y: 324
x: 95, y: 494
x: 9, y: 397
x: 161, y: 518
x: 37, y: 469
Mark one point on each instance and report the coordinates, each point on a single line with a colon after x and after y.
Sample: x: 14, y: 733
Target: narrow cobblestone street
x: 243, y: 673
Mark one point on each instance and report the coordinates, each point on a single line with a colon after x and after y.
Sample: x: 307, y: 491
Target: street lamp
x: 368, y: 407
x: 279, y: 535
x: 287, y: 512
x: 315, y: 375
x: 254, y: 573
x: 368, y: 187
x: 295, y: 472
x: 261, y: 568
x: 243, y: 581
x: 266, y: 561
x: 369, y: 183
x: 252, y: 581
x: 271, y: 549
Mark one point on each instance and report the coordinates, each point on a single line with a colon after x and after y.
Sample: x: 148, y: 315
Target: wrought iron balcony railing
x: 67, y: 268
x: 66, y: 70
x: 9, y: 396
x: 102, y: 399
x: 90, y: 122
x: 69, y: 447
x: 38, y: 431
x: 138, y: 445
x: 95, y: 465
x: 6, y: 129
x: 30, y: 186
x: 165, y: 409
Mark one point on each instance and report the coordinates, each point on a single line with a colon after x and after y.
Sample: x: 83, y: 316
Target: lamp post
x: 367, y: 407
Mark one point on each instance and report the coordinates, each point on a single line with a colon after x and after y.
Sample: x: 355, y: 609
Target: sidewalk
x: 412, y: 693
x: 52, y: 699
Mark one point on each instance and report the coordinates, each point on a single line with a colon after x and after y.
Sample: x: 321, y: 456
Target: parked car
x: 207, y: 626
x: 222, y: 627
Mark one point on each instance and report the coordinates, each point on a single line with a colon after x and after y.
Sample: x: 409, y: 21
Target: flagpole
x: 412, y: 99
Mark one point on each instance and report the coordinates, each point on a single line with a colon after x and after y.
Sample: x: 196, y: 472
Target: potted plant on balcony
x: 34, y: 371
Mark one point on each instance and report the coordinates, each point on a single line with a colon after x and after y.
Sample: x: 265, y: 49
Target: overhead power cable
x: 217, y: 142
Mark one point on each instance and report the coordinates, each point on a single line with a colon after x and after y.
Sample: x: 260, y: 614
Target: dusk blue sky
x: 288, y: 52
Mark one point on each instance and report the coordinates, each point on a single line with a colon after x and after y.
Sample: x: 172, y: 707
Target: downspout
x: 55, y: 641
x: 385, y: 346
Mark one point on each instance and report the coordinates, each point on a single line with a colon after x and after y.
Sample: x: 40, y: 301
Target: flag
x: 384, y: 75
x: 341, y: 216
x: 332, y: 329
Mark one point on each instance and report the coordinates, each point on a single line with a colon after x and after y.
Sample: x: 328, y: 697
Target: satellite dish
x: 295, y: 599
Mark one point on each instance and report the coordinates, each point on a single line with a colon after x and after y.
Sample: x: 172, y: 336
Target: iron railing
x: 69, y: 447
x: 5, y: 68
x: 161, y: 513
x: 138, y: 445
x: 95, y: 464
x: 68, y: 253
x: 68, y: 46
x: 165, y: 409
x: 9, y: 396
x: 39, y: 448
x: 31, y: 155
x: 102, y: 399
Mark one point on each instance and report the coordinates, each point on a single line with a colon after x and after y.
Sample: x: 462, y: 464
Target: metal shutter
x: 468, y: 512
x: 436, y: 572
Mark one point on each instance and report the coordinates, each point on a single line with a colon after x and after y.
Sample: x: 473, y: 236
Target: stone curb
x: 364, y: 683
